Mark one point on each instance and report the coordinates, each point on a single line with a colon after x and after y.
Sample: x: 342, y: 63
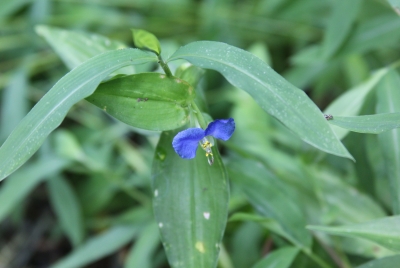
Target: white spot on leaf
x: 200, y: 247
x: 206, y: 215
x: 155, y: 193
x: 160, y: 225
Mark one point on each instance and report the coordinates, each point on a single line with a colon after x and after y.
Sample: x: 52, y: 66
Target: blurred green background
x: 85, y: 200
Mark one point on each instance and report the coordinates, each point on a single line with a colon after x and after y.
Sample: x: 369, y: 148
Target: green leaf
x: 375, y: 33
x: 98, y: 247
x: 350, y: 103
x: 273, y: 93
x: 389, y: 102
x: 388, y: 262
x: 9, y: 6
x: 396, y: 5
x: 145, y: 40
x: 49, y: 112
x: 75, y: 47
x: 149, y: 101
x: 384, y: 231
x: 373, y: 124
x: 14, y: 104
x: 340, y: 201
x: 190, y: 205
x: 268, y: 223
x: 66, y: 206
x: 194, y: 76
x: 281, y: 258
x: 339, y: 25
x: 269, y: 196
x: 141, y: 254
x: 244, y: 245
x: 23, y: 181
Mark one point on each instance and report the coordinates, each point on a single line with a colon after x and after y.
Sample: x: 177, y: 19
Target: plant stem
x: 164, y: 66
x: 199, y: 115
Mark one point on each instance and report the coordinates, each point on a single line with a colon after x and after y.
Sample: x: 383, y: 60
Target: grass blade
x: 49, y: 112
x: 14, y: 103
x: 384, y: 231
x: 98, y: 247
x: 350, y: 103
x: 281, y: 258
x: 388, y: 262
x: 66, y: 205
x: 389, y: 102
x: 373, y: 124
x: 25, y: 180
x: 269, y: 196
x: 339, y: 25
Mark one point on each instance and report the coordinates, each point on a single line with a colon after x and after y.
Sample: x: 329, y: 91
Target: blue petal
x: 185, y: 142
x: 221, y: 128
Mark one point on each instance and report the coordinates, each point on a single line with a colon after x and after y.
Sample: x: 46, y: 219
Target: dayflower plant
x: 185, y: 142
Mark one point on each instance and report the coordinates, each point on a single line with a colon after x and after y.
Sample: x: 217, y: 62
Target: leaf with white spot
x: 190, y: 205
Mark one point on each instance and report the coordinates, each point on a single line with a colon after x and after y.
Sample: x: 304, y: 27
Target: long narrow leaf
x: 388, y: 262
x: 384, y: 231
x: 141, y: 254
x: 339, y: 25
x: 281, y: 258
x: 269, y: 196
x: 14, y: 105
x: 350, y: 103
x: 389, y: 102
x: 25, y: 180
x: 374, y: 124
x: 49, y: 112
x: 273, y: 93
x: 99, y: 246
x: 66, y: 206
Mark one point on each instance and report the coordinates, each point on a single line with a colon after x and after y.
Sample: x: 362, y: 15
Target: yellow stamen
x: 206, y: 145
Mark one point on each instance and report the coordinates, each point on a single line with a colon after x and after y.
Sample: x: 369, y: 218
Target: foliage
x: 309, y: 178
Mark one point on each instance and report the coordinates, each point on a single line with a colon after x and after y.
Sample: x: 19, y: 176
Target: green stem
x: 199, y: 115
x: 164, y: 66
x: 317, y: 259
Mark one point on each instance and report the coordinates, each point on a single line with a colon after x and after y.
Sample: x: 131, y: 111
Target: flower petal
x: 221, y: 129
x: 185, y: 142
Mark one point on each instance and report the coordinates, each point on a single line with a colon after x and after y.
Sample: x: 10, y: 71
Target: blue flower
x: 185, y: 143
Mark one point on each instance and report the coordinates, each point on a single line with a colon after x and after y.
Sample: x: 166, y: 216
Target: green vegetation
x: 94, y: 93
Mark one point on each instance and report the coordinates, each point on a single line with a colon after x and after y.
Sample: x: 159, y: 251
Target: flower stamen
x: 206, y: 145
